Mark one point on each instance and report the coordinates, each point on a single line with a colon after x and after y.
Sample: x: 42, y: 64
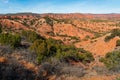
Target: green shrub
x: 49, y: 21
x: 118, y: 43
x: 107, y: 38
x: 117, y: 78
x: 86, y: 57
x: 98, y: 20
x: 114, y: 33
x: 66, y: 51
x: 70, y: 52
x: 0, y: 29
x: 112, y: 60
x: 48, y: 48
x: 75, y: 38
x: 9, y: 39
x: 45, y: 48
x: 31, y: 36
x: 39, y: 46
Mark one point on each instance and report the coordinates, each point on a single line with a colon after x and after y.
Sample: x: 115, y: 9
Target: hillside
x: 58, y: 46
x: 70, y: 28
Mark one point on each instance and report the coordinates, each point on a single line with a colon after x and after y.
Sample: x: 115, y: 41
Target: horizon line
x: 54, y: 13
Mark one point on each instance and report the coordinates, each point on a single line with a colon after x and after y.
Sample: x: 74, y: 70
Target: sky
x: 60, y: 6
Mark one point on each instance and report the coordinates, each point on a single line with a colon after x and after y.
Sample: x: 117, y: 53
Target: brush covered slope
x: 59, y: 46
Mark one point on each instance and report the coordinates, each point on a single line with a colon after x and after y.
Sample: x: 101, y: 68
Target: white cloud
x: 4, y: 1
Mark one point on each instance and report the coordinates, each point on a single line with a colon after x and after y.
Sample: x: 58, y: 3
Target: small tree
x: 0, y: 29
x: 9, y: 39
x: 31, y: 36
x: 118, y: 43
x: 40, y: 47
x: 112, y: 60
x: 114, y: 33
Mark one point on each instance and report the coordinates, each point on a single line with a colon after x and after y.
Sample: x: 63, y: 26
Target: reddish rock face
x: 12, y: 24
